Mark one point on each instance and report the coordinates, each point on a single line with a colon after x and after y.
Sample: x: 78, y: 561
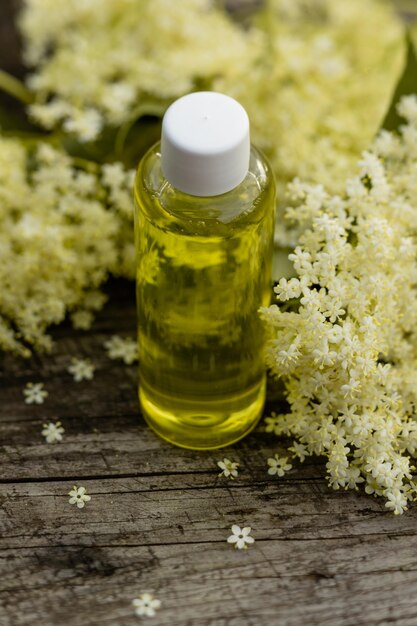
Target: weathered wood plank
x: 151, y: 510
x: 121, y: 444
x: 348, y: 582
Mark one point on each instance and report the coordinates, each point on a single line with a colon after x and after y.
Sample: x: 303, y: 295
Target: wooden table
x: 159, y: 516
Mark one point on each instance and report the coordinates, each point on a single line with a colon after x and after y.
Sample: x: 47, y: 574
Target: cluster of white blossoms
x: 344, y: 338
x: 96, y: 61
x: 320, y: 87
x: 315, y: 77
x: 63, y: 229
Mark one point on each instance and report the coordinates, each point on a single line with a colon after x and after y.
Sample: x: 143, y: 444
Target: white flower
x: 49, y: 114
x: 407, y: 108
x: 229, y: 468
x: 333, y: 309
x: 273, y: 424
x: 117, y: 99
x: 81, y: 369
x: 397, y: 501
x: 82, y: 319
x: 386, y: 144
x: 122, y: 348
x: 299, y: 450
x: 240, y: 537
x: 86, y: 124
x: 78, y: 496
x: 94, y: 300
x: 351, y: 388
x: 53, y: 432
x: 288, y: 289
x: 114, y: 175
x: 35, y: 393
x: 278, y: 465
x: 146, y: 605
x: 87, y: 184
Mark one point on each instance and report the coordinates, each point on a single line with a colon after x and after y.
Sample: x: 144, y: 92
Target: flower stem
x: 15, y: 88
x: 86, y: 164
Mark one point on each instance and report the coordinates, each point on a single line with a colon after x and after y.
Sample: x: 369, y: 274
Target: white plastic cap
x: 205, y: 144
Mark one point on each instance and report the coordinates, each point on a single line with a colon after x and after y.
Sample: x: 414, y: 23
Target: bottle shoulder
x: 159, y: 200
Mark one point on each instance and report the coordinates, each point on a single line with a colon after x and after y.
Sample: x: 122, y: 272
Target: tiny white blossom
x: 273, y: 424
x: 355, y: 188
x: 81, y: 369
x: 146, y: 605
x: 299, y: 450
x: 240, y: 537
x: 289, y: 357
x: 122, y: 348
x: 351, y: 388
x: 53, y: 432
x: 50, y: 113
x: 407, y: 108
x: 86, y: 124
x: 229, y: 468
x: 82, y: 319
x: 94, y: 300
x: 353, y: 477
x: 278, y: 465
x: 288, y: 289
x: 116, y: 99
x: 114, y: 175
x: 78, y: 496
x: 35, y: 393
x: 386, y: 144
x: 397, y: 501
x: 372, y: 487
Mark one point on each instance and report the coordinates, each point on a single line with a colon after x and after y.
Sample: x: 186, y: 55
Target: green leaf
x: 146, y: 108
x: 144, y: 132
x: 100, y: 150
x: 406, y: 85
x: 142, y: 136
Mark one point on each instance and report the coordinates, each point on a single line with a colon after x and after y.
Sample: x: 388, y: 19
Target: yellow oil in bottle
x: 203, y: 271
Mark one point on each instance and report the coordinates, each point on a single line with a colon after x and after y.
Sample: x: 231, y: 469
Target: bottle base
x: 210, y: 428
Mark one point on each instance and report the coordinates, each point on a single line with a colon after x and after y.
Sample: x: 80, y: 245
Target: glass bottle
x: 204, y: 226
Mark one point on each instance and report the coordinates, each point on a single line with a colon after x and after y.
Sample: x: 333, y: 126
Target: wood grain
x: 159, y: 516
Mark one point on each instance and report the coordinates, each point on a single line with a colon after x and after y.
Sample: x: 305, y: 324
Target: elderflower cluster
x: 108, y: 56
x: 344, y: 338
x: 319, y: 90
x: 315, y: 77
x: 62, y: 231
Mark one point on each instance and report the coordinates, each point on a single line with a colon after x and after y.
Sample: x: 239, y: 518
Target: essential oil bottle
x: 204, y: 226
